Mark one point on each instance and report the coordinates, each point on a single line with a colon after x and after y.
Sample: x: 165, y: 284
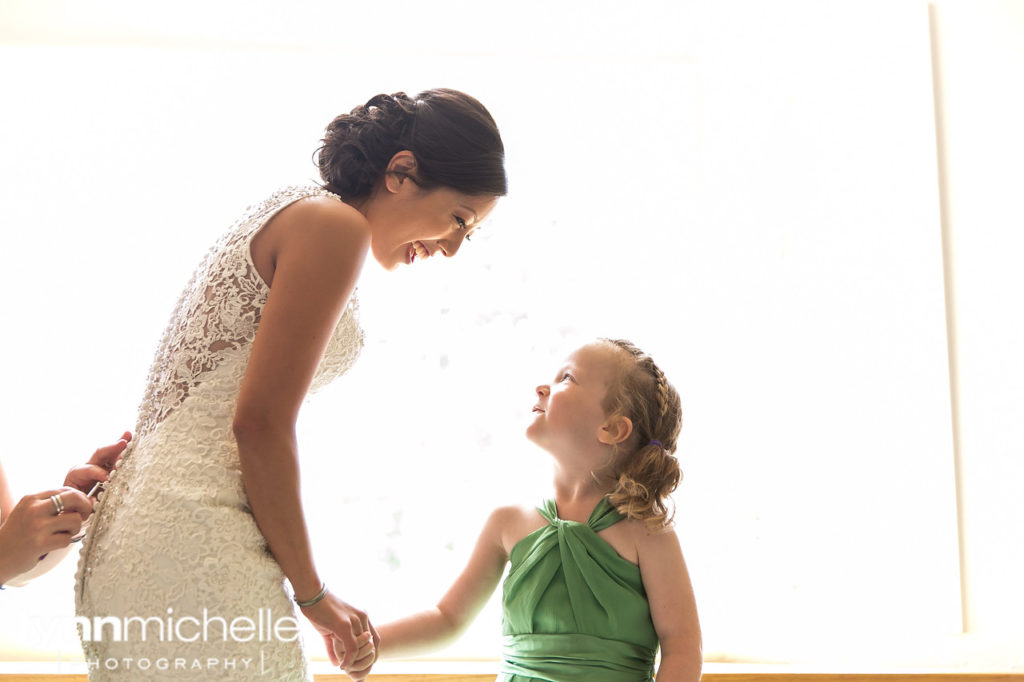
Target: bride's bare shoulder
x: 318, y: 212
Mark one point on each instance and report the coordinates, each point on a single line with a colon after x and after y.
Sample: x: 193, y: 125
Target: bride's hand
x: 336, y: 620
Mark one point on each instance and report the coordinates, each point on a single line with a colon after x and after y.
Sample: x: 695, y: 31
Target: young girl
x: 597, y: 579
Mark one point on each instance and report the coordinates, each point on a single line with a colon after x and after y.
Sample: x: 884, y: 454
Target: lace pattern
x: 220, y: 310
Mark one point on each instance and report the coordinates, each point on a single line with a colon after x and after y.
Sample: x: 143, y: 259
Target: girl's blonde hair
x: 644, y: 466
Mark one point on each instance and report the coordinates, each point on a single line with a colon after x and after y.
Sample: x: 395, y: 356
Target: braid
x: 645, y: 468
x: 659, y: 377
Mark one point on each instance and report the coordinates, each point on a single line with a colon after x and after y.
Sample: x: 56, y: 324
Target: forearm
x: 270, y: 472
x: 6, y: 500
x: 7, y: 567
x: 7, y: 551
x: 680, y: 666
x: 416, y: 634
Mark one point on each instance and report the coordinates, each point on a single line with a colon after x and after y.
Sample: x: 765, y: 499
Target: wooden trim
x: 862, y: 677
x: 708, y: 677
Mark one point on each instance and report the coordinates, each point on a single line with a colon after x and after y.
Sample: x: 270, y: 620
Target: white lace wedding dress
x: 173, y: 537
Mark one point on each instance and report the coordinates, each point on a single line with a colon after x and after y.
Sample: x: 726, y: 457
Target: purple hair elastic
x: 658, y: 443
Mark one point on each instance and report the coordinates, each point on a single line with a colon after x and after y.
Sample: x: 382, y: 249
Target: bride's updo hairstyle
x: 644, y: 467
x: 452, y: 136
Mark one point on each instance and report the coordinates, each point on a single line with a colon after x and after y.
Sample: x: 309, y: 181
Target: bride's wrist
x: 307, y: 588
x: 311, y: 600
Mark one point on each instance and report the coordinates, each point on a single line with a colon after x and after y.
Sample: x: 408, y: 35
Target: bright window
x: 748, y: 191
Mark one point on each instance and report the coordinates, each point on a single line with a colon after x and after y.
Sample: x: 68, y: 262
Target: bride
x: 202, y: 522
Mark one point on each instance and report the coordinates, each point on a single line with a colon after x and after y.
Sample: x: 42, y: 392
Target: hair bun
x: 357, y: 146
x: 394, y: 113
x: 454, y: 139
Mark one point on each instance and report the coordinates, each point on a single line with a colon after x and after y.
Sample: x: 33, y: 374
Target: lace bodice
x: 219, y: 312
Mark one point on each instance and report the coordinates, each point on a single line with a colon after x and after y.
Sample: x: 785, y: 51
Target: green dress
x: 574, y: 610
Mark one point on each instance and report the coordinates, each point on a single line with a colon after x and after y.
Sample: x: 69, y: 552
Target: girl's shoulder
x: 635, y: 542
x: 511, y: 523
x: 658, y: 546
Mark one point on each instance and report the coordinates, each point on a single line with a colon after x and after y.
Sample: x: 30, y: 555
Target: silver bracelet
x: 314, y: 600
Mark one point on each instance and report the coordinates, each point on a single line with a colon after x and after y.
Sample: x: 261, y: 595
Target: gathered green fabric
x: 574, y: 610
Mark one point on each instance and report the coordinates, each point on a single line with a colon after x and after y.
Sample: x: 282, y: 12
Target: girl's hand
x: 341, y: 625
x: 35, y: 528
x: 99, y: 466
x: 364, y: 658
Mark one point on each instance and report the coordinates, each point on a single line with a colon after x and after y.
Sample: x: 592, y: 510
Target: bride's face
x: 409, y: 223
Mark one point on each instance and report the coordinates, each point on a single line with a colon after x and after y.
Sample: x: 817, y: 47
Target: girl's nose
x: 543, y: 390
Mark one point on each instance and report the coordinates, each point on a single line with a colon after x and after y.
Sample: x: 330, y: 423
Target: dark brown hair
x: 452, y: 136
x: 644, y: 467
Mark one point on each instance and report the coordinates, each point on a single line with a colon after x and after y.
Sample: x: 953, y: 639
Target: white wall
x: 981, y: 62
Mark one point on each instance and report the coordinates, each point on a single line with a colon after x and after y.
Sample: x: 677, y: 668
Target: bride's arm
x: 317, y: 247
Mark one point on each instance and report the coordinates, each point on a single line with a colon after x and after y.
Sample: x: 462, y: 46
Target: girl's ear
x: 402, y: 165
x: 616, y: 429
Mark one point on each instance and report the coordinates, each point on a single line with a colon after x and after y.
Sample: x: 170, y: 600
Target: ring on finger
x: 58, y: 504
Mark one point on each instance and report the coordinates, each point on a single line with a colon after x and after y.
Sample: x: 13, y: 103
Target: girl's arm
x: 673, y: 607
x: 317, y: 248
x: 439, y: 626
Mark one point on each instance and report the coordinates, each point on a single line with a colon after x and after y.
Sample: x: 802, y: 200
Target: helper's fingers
x: 68, y: 522
x: 85, y: 476
x: 74, y: 501
x: 106, y: 456
x: 46, y: 494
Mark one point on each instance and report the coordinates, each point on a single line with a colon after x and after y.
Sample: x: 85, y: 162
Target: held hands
x: 350, y: 638
x: 365, y: 656
x: 98, y: 468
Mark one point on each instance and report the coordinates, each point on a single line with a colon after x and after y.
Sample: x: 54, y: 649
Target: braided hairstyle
x: 644, y: 467
x: 452, y: 136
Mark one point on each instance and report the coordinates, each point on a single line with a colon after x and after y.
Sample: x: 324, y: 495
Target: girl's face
x: 569, y: 412
x: 409, y: 223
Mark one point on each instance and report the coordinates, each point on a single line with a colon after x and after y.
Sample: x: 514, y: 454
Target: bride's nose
x: 450, y: 245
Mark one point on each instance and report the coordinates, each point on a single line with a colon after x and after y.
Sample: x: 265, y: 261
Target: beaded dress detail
x: 173, y: 536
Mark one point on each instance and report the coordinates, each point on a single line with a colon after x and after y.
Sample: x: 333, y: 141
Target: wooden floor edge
x: 709, y: 677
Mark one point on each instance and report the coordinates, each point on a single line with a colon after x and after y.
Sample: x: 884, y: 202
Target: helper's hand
x: 99, y: 466
x: 39, y: 524
x: 341, y: 624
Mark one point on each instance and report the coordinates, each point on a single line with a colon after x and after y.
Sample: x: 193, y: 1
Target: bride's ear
x: 402, y: 167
